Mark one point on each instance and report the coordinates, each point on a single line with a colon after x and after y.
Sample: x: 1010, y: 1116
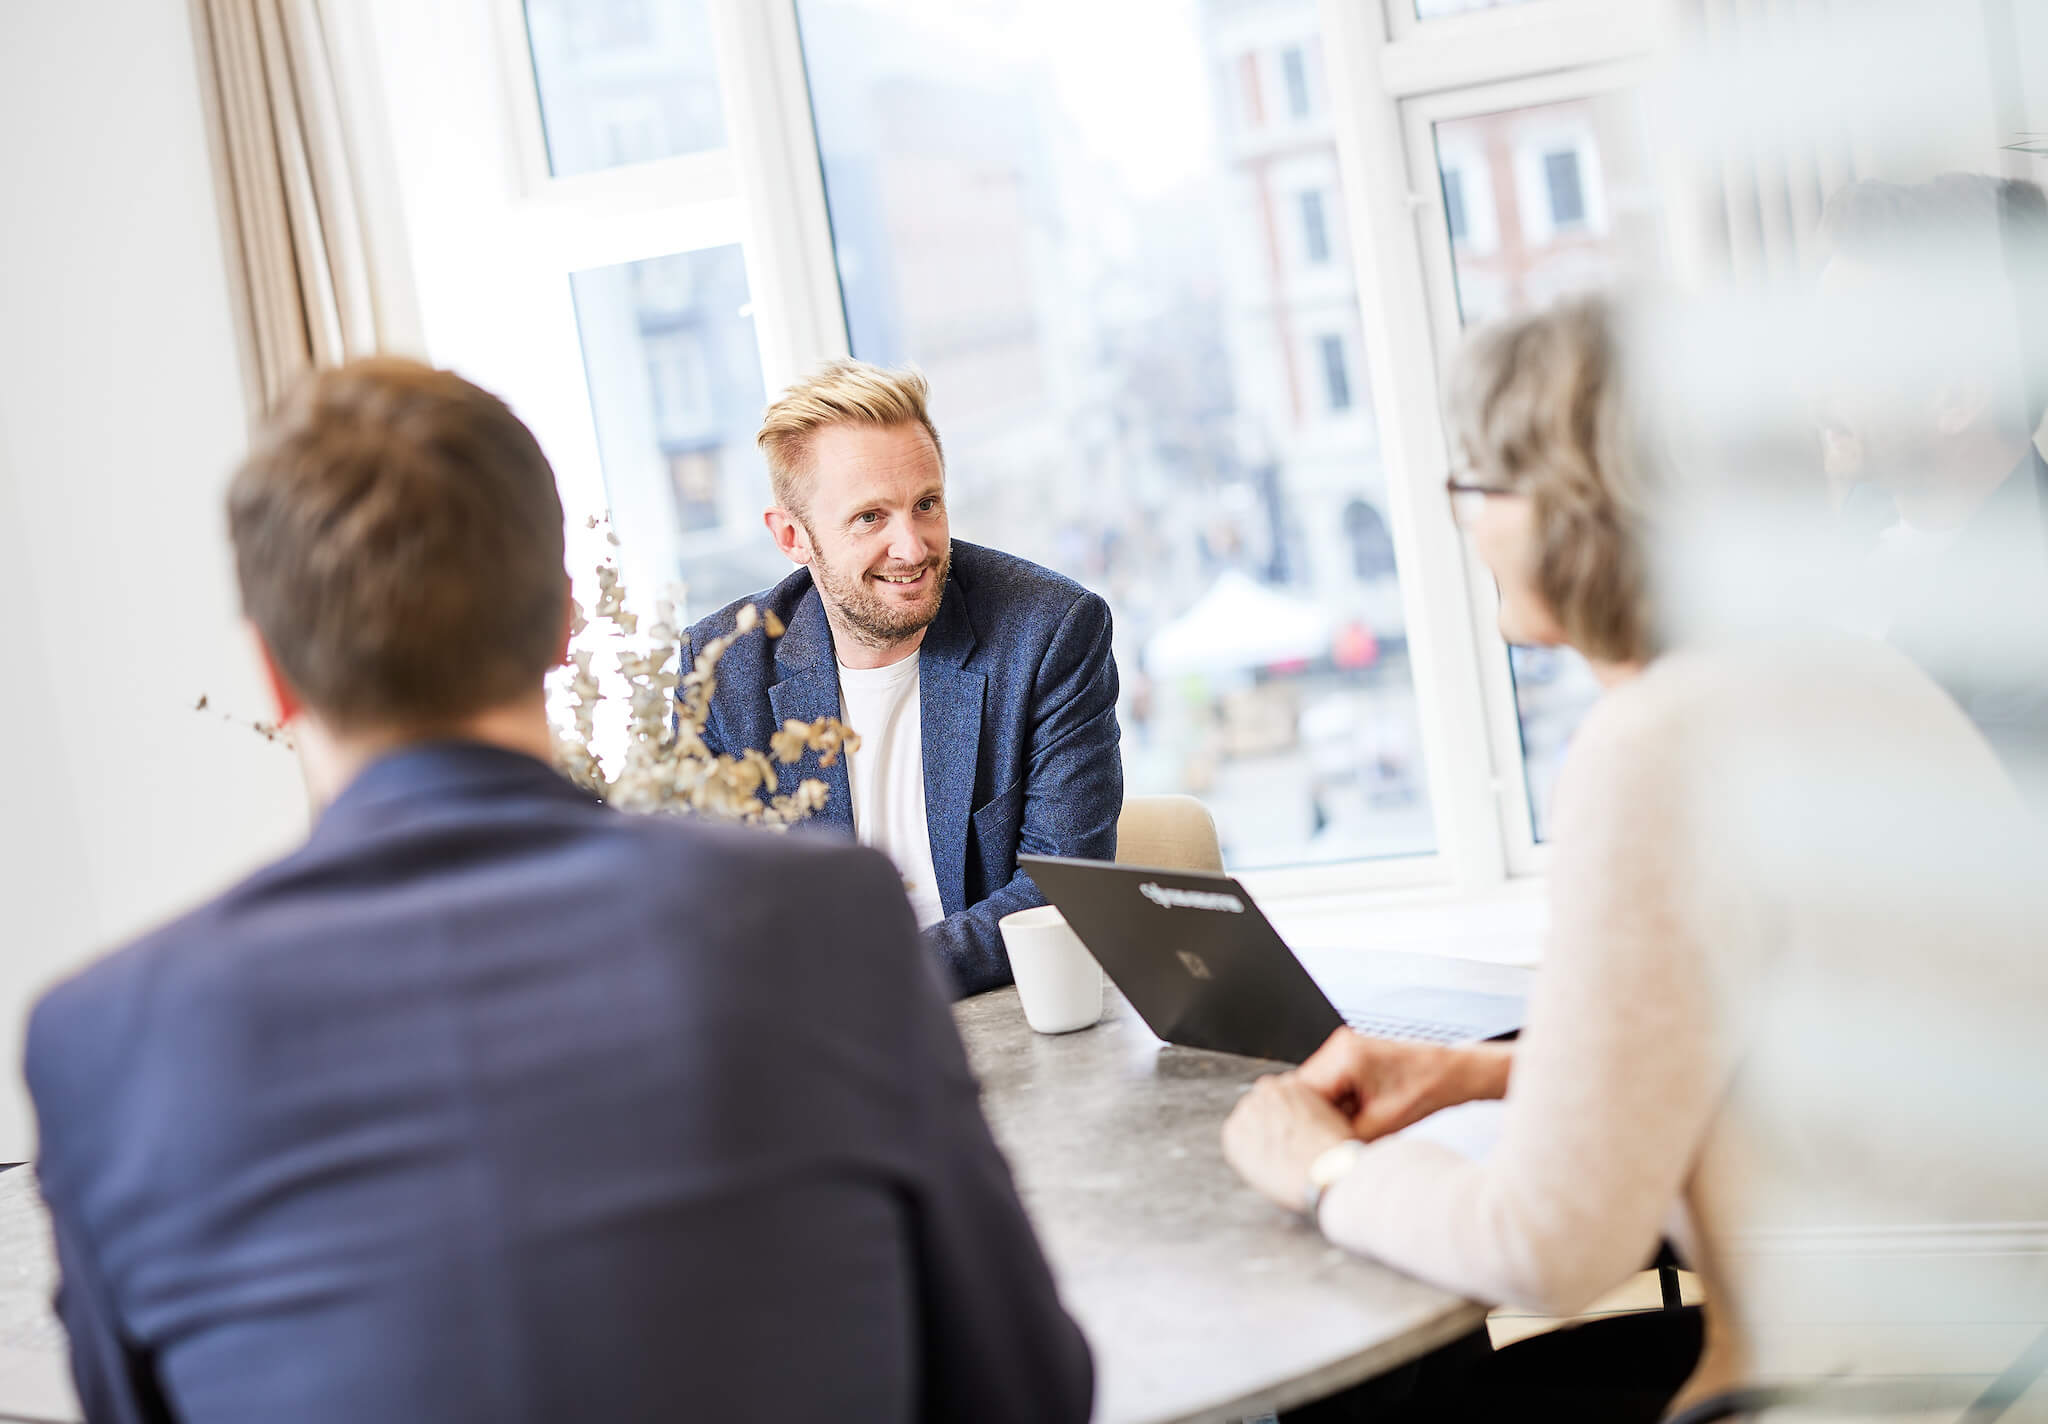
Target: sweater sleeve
x: 1614, y: 1079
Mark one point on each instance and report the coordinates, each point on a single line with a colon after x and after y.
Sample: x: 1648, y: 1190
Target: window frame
x: 1318, y: 251
x: 1516, y: 40
x: 1418, y: 117
x: 1378, y: 71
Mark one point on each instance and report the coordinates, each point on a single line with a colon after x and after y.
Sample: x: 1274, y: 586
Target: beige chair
x: 1169, y: 833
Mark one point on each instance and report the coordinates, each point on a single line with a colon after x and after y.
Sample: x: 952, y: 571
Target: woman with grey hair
x: 1774, y: 852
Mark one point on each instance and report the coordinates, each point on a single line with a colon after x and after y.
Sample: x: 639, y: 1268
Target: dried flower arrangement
x: 269, y: 731
x: 666, y: 765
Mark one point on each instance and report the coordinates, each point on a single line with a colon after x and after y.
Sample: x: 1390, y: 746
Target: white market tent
x: 1237, y: 626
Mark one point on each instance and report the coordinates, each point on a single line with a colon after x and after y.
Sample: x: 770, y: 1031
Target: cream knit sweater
x: 1782, y: 877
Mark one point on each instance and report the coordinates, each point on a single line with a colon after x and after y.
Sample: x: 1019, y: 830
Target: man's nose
x: 906, y: 544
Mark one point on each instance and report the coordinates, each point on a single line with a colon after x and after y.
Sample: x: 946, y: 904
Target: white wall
x: 121, y: 416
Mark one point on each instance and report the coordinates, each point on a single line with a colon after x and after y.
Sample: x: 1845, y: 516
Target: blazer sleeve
x: 1073, y: 789
x: 996, y: 1343
x: 115, y: 1377
x: 686, y: 658
x: 116, y: 1381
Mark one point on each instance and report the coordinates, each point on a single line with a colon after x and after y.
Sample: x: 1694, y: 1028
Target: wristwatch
x: 1326, y: 1171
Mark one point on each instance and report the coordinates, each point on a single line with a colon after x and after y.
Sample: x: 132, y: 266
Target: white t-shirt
x: 886, y: 776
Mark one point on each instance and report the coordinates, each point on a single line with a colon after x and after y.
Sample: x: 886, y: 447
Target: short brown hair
x: 398, y: 539
x: 1537, y: 402
x: 842, y: 392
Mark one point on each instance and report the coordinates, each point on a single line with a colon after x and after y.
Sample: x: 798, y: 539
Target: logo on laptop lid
x: 1166, y: 897
x: 1196, y: 966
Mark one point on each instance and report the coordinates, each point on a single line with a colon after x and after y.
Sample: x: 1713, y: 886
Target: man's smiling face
x: 873, y: 530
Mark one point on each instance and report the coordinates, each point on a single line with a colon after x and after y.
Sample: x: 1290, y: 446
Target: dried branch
x: 666, y: 764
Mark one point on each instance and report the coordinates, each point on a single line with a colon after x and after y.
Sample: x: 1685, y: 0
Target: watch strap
x: 1331, y: 1166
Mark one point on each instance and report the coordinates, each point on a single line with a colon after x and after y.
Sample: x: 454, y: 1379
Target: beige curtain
x: 1762, y: 206
x: 299, y: 255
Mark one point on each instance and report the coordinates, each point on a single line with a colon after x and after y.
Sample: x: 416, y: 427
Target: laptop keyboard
x: 1393, y: 1026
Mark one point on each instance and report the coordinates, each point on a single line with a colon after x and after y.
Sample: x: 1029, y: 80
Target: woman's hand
x: 1276, y: 1131
x: 1381, y: 1085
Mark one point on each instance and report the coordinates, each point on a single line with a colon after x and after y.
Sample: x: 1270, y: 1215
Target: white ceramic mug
x: 1057, y: 978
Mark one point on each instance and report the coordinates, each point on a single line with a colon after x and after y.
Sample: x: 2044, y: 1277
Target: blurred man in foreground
x: 1936, y: 297
x: 1791, y: 992
x: 490, y: 1104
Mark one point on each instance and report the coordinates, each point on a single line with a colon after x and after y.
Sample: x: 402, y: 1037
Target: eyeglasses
x: 1468, y: 499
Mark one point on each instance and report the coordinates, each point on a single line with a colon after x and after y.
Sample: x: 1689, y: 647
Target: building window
x: 1295, y: 68
x: 1315, y: 231
x: 1336, y: 373
x: 674, y: 376
x: 1567, y: 194
x: 619, y: 84
x: 693, y: 478
x: 1454, y: 204
x: 681, y: 388
x: 1190, y: 477
x: 1372, y: 543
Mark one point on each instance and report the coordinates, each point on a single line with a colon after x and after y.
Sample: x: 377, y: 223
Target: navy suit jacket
x: 493, y: 1106
x: 1980, y: 629
x: 1018, y: 689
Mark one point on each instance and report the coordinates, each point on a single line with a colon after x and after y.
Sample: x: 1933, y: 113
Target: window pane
x: 1147, y: 363
x: 1437, y: 9
x: 675, y: 387
x: 1315, y: 233
x: 1454, y: 203
x: 1542, y: 202
x: 1561, y: 177
x: 624, y: 81
x: 1295, y: 68
x: 1336, y: 379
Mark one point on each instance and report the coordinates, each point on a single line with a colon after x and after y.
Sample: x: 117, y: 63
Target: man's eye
x: 865, y: 518
x: 927, y: 505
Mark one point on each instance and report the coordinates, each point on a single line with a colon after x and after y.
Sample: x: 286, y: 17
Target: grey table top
x: 1202, y: 1300
x: 35, y: 1371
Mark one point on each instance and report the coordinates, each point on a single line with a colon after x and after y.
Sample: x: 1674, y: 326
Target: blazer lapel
x: 950, y: 720
x: 809, y: 689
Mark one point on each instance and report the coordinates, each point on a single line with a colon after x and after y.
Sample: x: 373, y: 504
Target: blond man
x: 981, y: 685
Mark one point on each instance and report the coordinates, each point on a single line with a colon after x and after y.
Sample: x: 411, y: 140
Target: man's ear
x: 282, y: 695
x: 789, y: 534
x: 568, y: 625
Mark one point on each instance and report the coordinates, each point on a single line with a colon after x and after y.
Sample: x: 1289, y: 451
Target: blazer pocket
x: 1002, y: 813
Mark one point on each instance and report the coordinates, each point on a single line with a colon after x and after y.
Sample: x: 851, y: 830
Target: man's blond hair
x: 841, y: 392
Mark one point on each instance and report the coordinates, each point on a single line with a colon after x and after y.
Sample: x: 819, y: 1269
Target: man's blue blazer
x: 490, y: 1105
x: 1018, y: 688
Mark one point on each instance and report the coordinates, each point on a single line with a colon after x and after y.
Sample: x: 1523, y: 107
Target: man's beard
x: 867, y: 615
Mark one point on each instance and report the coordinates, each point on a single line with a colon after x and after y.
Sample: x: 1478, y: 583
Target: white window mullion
x: 525, y: 126
x: 1509, y: 782
x: 1418, y: 119
x: 1516, y: 40
x: 798, y: 313
x: 1399, y: 342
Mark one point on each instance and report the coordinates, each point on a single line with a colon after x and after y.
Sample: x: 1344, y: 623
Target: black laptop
x: 1203, y: 967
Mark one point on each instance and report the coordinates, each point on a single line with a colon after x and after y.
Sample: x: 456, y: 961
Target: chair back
x: 1169, y: 833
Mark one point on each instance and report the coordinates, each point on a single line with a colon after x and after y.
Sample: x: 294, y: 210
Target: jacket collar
x: 950, y: 700
x: 950, y: 640
x: 429, y: 773
x: 806, y: 642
